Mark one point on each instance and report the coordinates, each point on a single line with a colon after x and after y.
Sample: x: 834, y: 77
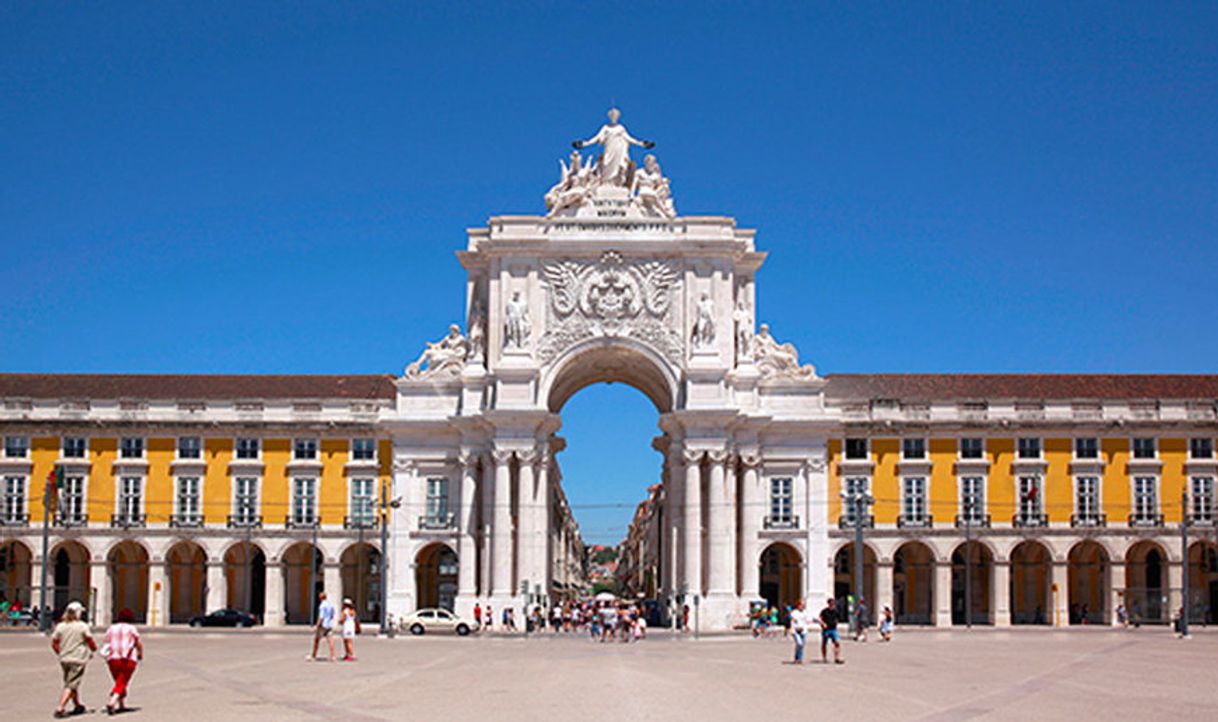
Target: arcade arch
x: 245, y: 578
x: 300, y: 588
x: 436, y: 576
x: 980, y: 575
x: 186, y: 572
x: 913, y: 584
x: 127, y: 565
x: 70, y: 574
x: 781, y: 575
x: 16, y: 572
x: 1146, y: 582
x: 1031, y: 584
x: 1203, y: 581
x: 843, y: 577
x: 361, y: 579
x: 1088, y: 580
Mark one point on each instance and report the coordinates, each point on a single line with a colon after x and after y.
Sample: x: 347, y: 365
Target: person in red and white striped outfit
x: 124, y: 651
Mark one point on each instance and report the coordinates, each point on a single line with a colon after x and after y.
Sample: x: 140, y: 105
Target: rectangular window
x: 304, y: 501
x: 1201, y: 448
x: 1145, y: 499
x: 913, y: 448
x: 15, y: 500
x: 304, y: 449
x: 856, y: 448
x: 74, y: 447
x: 781, y: 503
x: 188, y: 501
x: 247, y: 448
x: 363, y: 500
x: 913, y: 500
x: 190, y: 447
x: 1087, y: 447
x: 1202, y: 499
x: 1030, y: 502
x: 855, y: 486
x: 1029, y: 448
x: 245, y: 499
x: 972, y: 449
x: 1087, y: 500
x: 437, y: 500
x: 131, y: 447
x: 972, y: 499
x: 363, y: 449
x: 130, y: 500
x: 16, y: 447
x: 1144, y: 448
x: 72, y: 502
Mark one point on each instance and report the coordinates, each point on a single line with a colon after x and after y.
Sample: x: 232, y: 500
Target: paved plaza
x: 923, y: 675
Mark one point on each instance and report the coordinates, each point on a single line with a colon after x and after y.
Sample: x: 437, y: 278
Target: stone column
x: 158, y: 595
x: 467, y: 528
x: 486, y: 519
x: 943, y: 593
x: 501, y: 526
x: 99, y: 579
x: 751, y: 510
x: 333, y: 581
x: 217, y: 587
x: 1116, y: 590
x: 883, y: 589
x: 541, y: 523
x: 526, y: 520
x: 721, y: 581
x: 673, y: 495
x: 35, y: 598
x: 1060, y: 600
x: 273, y: 602
x: 1000, y: 593
x: 691, y: 522
x: 1175, y: 587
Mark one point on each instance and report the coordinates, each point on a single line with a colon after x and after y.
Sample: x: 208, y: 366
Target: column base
x: 718, y: 612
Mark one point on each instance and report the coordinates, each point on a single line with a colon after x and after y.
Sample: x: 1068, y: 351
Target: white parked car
x: 436, y: 620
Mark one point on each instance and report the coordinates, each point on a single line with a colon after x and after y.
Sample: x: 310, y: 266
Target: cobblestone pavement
x: 922, y: 675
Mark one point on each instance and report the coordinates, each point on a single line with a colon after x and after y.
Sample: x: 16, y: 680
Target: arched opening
x: 186, y: 564
x: 611, y: 361
x: 15, y: 573
x: 978, y: 580
x: 1203, y: 581
x: 299, y: 588
x: 913, y: 584
x: 1031, y: 580
x: 71, y: 576
x: 361, y: 572
x: 781, y: 576
x: 436, y: 577
x: 1145, y: 588
x: 245, y: 574
x: 843, y: 578
x: 127, y: 564
x: 1088, y: 581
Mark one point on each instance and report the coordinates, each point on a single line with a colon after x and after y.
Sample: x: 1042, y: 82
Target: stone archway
x: 300, y: 590
x: 361, y: 579
x: 186, y: 569
x: 127, y: 564
x: 1203, y: 582
x: 245, y: 577
x: 781, y: 576
x: 843, y: 577
x: 611, y: 360
x: 1031, y: 584
x: 980, y: 574
x: 913, y: 584
x: 436, y: 576
x: 1088, y: 581
x: 1146, y: 583
x: 16, y: 569
x: 70, y: 575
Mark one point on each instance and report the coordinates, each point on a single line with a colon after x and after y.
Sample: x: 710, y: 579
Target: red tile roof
x: 925, y: 387
x: 149, y: 386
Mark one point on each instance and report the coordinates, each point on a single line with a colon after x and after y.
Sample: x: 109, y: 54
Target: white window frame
x: 177, y: 448
x: 1026, y: 510
x: 63, y: 447
x: 83, y: 498
x: 778, y: 499
x: 1133, y: 441
x: 925, y: 448
x: 352, y: 513
x: 237, y: 448
x: 1093, y: 515
x: 1198, y: 511
x: 428, y: 510
x: 236, y: 496
x: 294, y: 507
x: 355, y: 445
x: 1099, y: 449
x: 1040, y: 447
x: 177, y: 497
x: 122, y: 447
x: 1134, y: 499
x: 25, y: 446
x: 980, y: 510
x: 847, y: 505
x: 12, y: 513
x: 316, y: 447
x: 923, y: 501
x: 960, y: 448
x: 121, y: 510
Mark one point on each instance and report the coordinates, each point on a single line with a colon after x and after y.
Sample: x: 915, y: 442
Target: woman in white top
x: 350, y: 627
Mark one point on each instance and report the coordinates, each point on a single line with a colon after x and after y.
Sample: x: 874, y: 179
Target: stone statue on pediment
x: 651, y: 190
x: 447, y: 354
x: 775, y: 359
x: 613, y: 167
x: 704, y: 323
x: 517, y: 327
x: 477, y: 334
x: 744, y: 331
x: 574, y: 187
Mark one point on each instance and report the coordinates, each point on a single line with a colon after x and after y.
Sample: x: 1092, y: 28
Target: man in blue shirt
x: 324, y: 626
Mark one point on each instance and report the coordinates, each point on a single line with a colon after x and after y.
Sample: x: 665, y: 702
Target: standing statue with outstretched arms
x: 616, y: 141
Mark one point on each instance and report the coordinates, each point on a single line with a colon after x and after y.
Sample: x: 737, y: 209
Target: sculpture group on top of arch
x: 611, y: 180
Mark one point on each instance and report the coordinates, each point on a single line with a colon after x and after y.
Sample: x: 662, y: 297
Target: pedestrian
x: 798, y: 623
x: 350, y: 627
x: 862, y: 611
x: 886, y: 626
x: 123, y: 651
x: 74, y: 645
x: 1122, y: 616
x: 478, y: 615
x: 490, y: 618
x: 324, y: 626
x: 828, y: 620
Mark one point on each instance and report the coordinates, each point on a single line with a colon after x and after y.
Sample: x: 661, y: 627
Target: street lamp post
x: 313, y: 574
x: 968, y: 562
x: 386, y: 505
x: 247, y: 519
x: 1184, y: 562
x: 857, y: 500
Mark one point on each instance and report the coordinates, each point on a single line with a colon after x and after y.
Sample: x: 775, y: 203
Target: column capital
x: 468, y: 459
x: 502, y: 456
x: 692, y: 456
x: 404, y: 465
x: 750, y: 460
x: 527, y: 456
x: 718, y: 456
x: 814, y: 466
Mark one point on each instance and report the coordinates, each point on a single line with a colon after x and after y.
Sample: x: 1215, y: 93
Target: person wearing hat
x: 350, y: 627
x: 74, y: 645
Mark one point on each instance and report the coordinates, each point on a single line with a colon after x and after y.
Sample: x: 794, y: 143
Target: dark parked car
x: 225, y: 618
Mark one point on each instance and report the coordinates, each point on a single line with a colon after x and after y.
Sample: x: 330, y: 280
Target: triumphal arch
x: 612, y: 284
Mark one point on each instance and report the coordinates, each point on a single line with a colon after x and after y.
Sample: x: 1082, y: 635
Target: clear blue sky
x: 280, y: 187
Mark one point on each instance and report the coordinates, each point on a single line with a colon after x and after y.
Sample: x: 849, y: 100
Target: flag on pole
x: 54, y: 485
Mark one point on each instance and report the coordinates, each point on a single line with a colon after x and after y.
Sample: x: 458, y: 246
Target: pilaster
x: 1001, y: 591
x: 273, y: 603
x: 691, y: 522
x: 943, y: 594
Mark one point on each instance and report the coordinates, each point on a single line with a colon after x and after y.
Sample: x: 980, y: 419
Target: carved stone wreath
x: 611, y: 298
